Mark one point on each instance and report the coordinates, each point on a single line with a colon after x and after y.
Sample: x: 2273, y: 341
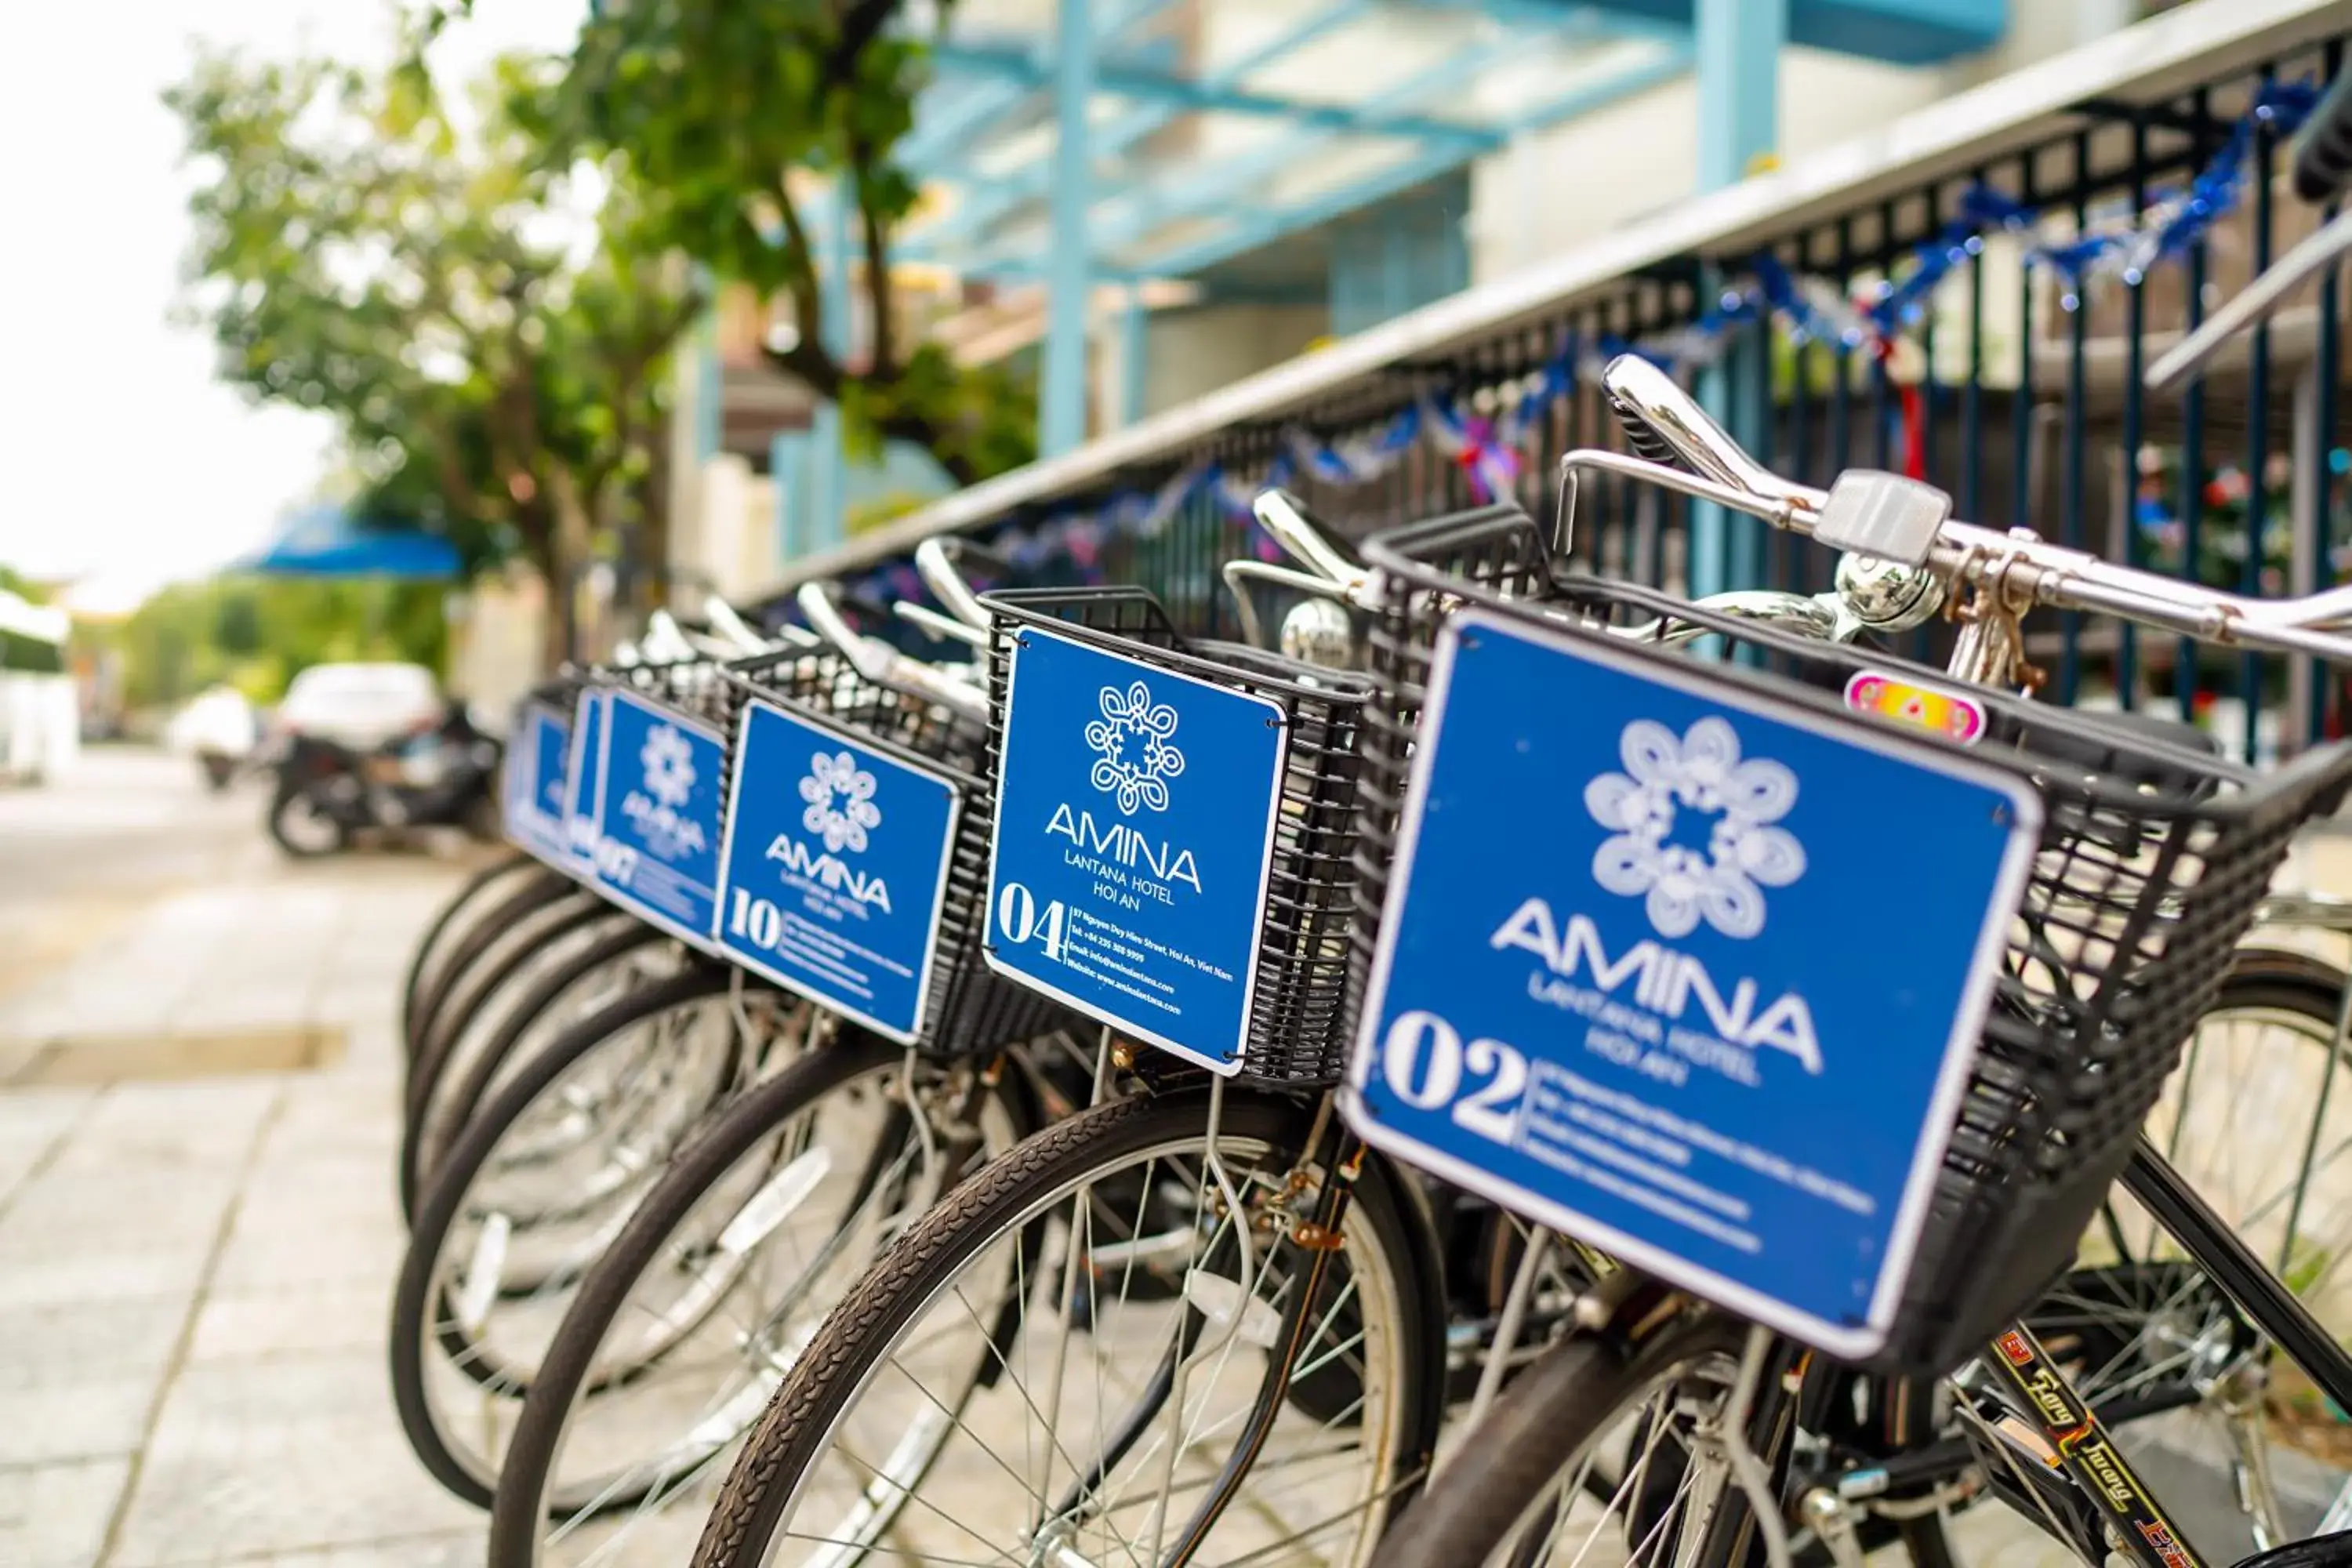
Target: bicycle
x: 2173, y: 867
x: 784, y: 1199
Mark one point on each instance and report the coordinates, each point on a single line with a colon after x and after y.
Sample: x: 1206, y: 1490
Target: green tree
x: 489, y: 330
x: 258, y: 633
x: 735, y: 119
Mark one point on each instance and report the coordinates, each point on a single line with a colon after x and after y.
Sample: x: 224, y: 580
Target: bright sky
x: 121, y: 461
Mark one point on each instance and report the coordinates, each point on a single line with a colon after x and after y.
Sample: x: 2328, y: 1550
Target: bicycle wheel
x: 2258, y: 1119
x: 505, y: 923
x: 457, y: 916
x: 580, y: 981
x: 546, y: 935
x: 941, y: 1406
x: 1575, y: 1454
x: 533, y: 1191
x: 760, y: 1227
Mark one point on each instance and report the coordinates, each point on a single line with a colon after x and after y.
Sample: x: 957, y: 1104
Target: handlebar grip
x: 2322, y: 154
x: 1643, y: 437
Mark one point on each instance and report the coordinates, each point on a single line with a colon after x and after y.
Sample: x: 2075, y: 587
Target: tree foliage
x: 740, y: 121
x: 489, y: 330
x: 258, y: 634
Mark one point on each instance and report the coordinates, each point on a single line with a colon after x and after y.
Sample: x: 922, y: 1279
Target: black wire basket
x: 1299, y: 1015
x: 2151, y: 859
x: 968, y: 1008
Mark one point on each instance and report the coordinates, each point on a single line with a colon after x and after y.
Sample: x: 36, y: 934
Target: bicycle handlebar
x: 880, y: 663
x: 2020, y: 568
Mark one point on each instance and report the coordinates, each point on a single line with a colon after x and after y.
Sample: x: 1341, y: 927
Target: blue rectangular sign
x: 537, y: 772
x: 1134, y: 832
x: 835, y: 869
x: 583, y: 780
x: 1687, y: 973
x: 658, y: 818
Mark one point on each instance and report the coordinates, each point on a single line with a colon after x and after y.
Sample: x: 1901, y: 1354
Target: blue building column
x: 1134, y: 346
x: 827, y: 487
x: 709, y: 389
x: 787, y: 460
x: 1738, y: 43
x: 1069, y: 277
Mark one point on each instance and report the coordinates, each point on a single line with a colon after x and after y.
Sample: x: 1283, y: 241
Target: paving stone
x: 43, y: 1280
x: 72, y: 1342
x: 258, y: 1406
x: 310, y: 1255
x: 127, y: 1209
x: 40, y: 1116
x: 464, y: 1551
x: 89, y: 1419
x: 179, y: 1123
x: 55, y: 1516
x: 353, y: 1191
x: 350, y: 1317
x: 236, y: 1479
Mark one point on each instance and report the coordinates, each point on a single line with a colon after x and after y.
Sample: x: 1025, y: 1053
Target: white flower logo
x: 1702, y: 770
x: 669, y: 766
x: 840, y: 796
x: 1135, y: 761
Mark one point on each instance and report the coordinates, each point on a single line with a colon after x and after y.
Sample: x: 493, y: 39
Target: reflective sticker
x: 1945, y: 713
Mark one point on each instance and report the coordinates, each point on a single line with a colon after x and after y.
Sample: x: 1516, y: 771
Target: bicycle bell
x: 1320, y: 632
x: 1888, y: 596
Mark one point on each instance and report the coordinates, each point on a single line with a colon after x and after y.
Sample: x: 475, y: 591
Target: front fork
x: 1318, y: 1238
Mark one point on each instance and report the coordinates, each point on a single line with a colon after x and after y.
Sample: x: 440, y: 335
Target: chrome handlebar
x: 882, y: 664
x: 2009, y: 573
x: 935, y: 561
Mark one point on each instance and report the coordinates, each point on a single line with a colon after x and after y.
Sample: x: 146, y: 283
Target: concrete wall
x: 734, y: 547
x: 1190, y: 353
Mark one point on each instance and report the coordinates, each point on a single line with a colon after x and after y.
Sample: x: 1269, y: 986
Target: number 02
x: 1423, y: 1060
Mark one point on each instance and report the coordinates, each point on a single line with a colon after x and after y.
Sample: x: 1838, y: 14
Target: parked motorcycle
x: 440, y: 772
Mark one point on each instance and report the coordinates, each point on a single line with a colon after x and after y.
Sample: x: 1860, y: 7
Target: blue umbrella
x: 328, y: 541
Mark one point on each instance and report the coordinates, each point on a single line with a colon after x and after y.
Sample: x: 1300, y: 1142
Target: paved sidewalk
x: 196, y: 1274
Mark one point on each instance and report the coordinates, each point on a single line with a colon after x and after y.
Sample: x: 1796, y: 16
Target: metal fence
x: 2025, y: 400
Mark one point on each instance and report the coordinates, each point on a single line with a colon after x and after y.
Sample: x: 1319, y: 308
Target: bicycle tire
x: 495, y: 924
x: 447, y: 1101
x: 457, y: 913
x: 997, y: 1202
x: 524, y: 1508
x: 419, y: 1290
x: 1572, y: 1393
x: 473, y: 989
x: 462, y: 987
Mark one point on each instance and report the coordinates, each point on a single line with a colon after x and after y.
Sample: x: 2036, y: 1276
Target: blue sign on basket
x: 835, y: 869
x: 538, y: 770
x: 657, y: 822
x: 1688, y: 973
x: 583, y: 780
x: 1135, y: 818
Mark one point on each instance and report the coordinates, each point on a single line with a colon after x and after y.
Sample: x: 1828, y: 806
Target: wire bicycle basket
x: 1294, y: 1023
x: 964, y: 1008
x: 2150, y: 861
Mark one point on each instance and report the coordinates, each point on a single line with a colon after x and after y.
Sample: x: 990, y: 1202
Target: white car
x: 361, y: 705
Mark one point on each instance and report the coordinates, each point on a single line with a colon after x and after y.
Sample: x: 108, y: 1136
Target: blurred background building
x: 1261, y: 176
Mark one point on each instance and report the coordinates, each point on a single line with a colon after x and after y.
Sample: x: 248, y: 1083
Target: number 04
x: 1018, y: 917
x: 1423, y: 1060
